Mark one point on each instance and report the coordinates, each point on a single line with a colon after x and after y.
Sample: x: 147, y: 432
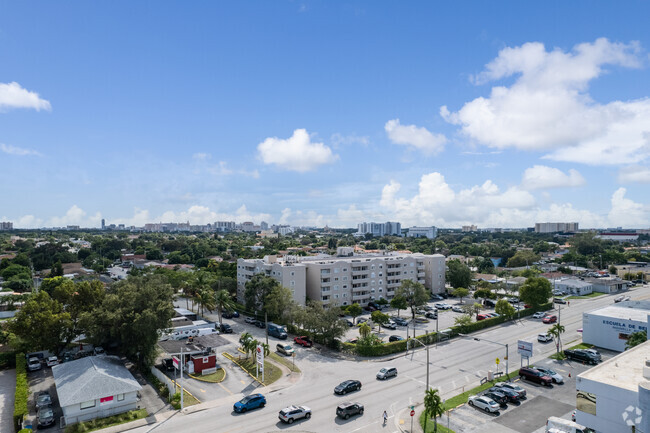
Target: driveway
x: 7, y: 391
x: 42, y: 380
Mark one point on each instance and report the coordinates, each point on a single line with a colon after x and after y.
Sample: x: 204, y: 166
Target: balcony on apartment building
x: 325, y: 272
x: 357, y: 285
x: 393, y: 265
x: 393, y: 274
x: 360, y: 277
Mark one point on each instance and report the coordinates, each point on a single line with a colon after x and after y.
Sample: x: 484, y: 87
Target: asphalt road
x: 454, y: 366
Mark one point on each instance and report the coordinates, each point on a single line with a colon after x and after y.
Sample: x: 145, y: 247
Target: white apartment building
x: 346, y: 280
x: 615, y: 396
x: 556, y: 227
x: 422, y: 232
x: 467, y: 229
x: 380, y: 229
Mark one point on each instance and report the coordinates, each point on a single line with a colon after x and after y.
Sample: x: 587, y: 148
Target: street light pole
x: 426, y: 347
x: 494, y: 342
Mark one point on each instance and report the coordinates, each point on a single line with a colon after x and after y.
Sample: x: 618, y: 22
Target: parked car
x: 499, y: 397
x: 559, y: 300
x: 557, y: 378
x: 99, y: 351
x: 45, y: 416
x: 483, y: 403
x: 292, y: 413
x: 43, y: 399
x: 347, y: 386
x: 400, y: 321
x: 539, y: 315
x: 34, y: 364
x: 439, y: 305
x: 493, y: 315
x: 513, y: 387
x: 393, y: 338
x: 285, y: 349
x: 428, y: 308
x: 249, y: 402
x: 595, y: 353
x: 250, y: 320
x: 385, y: 373
x: 390, y: 325
x: 482, y: 317
x: 361, y: 320
x: 349, y: 322
x: 346, y: 410
x: 489, y: 303
x: 544, y: 338
x: 437, y: 298
x: 304, y: 341
x: 260, y: 324
x: 511, y: 395
x: 225, y: 328
x: 457, y: 309
x: 52, y: 361
x: 534, y: 375
x: 619, y: 298
x: 230, y: 314
x: 549, y: 319
x: 168, y: 364
x: 582, y: 356
x: 431, y: 315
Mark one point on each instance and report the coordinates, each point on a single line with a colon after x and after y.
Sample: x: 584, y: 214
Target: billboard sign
x: 525, y: 348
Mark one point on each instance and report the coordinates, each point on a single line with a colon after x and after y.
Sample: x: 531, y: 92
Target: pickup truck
x: 581, y: 355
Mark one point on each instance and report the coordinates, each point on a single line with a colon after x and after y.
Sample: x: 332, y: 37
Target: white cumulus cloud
x: 296, y: 153
x: 418, y: 138
x: 13, y: 95
x: 634, y: 174
x: 548, y: 107
x: 76, y: 216
x: 18, y: 151
x: 544, y: 177
x: 626, y: 212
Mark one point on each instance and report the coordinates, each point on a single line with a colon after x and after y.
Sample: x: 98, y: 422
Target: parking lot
x: 530, y: 415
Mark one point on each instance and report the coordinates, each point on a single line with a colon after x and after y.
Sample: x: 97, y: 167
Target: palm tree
x: 223, y: 301
x: 364, y: 330
x: 556, y: 330
x: 433, y: 407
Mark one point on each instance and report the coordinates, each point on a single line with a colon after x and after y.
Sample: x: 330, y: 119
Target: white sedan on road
x: 539, y: 315
x: 484, y: 403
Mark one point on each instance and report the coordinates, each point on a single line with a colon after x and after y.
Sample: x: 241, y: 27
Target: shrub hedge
x: 22, y: 391
x: 430, y: 338
x: 7, y: 360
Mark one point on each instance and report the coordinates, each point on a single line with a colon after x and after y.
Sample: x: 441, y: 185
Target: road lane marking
x: 227, y: 390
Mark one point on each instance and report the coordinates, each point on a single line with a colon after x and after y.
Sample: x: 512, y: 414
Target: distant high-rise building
x: 103, y: 224
x: 6, y: 225
x: 422, y: 232
x: 467, y: 229
x: 264, y: 225
x: 380, y: 229
x: 556, y: 227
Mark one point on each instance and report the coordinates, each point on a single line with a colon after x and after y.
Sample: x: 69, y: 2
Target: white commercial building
x: 573, y: 286
x: 422, y: 232
x: 346, y: 280
x: 610, y: 327
x: 380, y: 229
x: 556, y: 227
x: 615, y: 396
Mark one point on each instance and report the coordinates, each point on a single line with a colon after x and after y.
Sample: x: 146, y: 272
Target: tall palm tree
x: 223, y: 301
x: 364, y: 330
x: 556, y: 331
x: 433, y: 407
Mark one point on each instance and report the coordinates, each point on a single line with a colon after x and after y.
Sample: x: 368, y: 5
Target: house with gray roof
x: 94, y: 387
x: 573, y: 286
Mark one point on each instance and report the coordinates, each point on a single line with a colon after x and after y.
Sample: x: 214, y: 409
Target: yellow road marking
x: 227, y: 390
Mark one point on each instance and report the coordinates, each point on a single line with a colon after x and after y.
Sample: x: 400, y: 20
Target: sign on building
x: 525, y: 348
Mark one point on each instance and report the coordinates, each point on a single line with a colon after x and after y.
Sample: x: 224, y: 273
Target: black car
x: 395, y: 338
x: 230, y: 314
x: 348, y: 386
x: 45, y: 416
x: 260, y: 324
x: 168, y: 364
x: 349, y: 322
x: 43, y: 399
x: 346, y: 410
x: 400, y: 321
x: 499, y: 397
x: 581, y: 355
x: 431, y: 315
x: 225, y: 328
x: 512, y: 396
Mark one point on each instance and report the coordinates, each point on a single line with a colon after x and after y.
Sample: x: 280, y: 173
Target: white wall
x: 611, y: 403
x: 604, y: 332
x: 74, y: 414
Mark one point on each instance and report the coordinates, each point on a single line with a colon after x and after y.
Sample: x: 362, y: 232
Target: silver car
x: 385, y: 373
x: 557, y: 378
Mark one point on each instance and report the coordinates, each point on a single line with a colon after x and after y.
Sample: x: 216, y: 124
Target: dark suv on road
x: 346, y: 410
x: 581, y: 355
x: 535, y: 375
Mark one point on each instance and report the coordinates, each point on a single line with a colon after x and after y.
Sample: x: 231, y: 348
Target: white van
x: 559, y: 425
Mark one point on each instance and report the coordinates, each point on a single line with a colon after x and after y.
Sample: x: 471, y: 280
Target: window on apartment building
x: 345, y: 269
x: 372, y: 266
x: 345, y: 295
x: 372, y: 275
x: 336, y: 278
x: 380, y: 282
x: 88, y: 404
x: 345, y: 278
x: 293, y: 273
x: 336, y: 270
x: 336, y: 287
x: 336, y: 296
x: 412, y: 264
x: 345, y: 286
x: 381, y: 266
x: 380, y: 290
x: 120, y: 397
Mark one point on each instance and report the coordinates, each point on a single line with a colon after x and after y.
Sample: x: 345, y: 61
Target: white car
x: 457, y: 309
x: 34, y: 364
x: 539, y: 315
x: 52, y: 361
x: 544, y: 338
x: 557, y: 378
x: 292, y: 413
x: 484, y: 403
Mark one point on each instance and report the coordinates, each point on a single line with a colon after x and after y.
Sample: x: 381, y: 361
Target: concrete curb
x: 209, y: 381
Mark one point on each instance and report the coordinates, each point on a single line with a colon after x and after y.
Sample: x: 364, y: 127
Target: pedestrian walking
x: 385, y: 416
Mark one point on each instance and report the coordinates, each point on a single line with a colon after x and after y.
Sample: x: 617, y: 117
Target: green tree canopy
x: 635, y: 339
x: 414, y: 293
x: 458, y: 274
x: 503, y: 308
x: 256, y: 291
x: 484, y: 294
x: 433, y: 407
x: 461, y: 293
x: 535, y: 291
x: 523, y: 258
x: 354, y: 310
x: 399, y: 303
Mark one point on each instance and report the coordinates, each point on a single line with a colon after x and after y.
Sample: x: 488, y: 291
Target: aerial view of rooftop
x: 324, y: 216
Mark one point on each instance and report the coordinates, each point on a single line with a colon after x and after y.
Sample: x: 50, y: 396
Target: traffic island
x: 271, y: 371
x: 216, y: 377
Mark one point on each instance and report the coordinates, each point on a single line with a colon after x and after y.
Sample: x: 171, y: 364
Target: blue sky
x: 499, y: 114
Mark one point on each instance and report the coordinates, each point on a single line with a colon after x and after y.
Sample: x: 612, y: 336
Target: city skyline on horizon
x: 325, y: 114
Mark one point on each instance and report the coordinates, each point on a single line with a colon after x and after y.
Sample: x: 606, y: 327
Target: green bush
x: 7, y: 360
x: 22, y: 390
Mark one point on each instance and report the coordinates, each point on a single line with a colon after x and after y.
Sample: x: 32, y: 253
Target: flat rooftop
x: 623, y: 371
x: 199, y: 344
x: 625, y: 313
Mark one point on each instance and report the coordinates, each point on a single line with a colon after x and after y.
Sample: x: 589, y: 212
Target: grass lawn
x: 581, y: 346
x: 591, y: 295
x: 559, y: 356
x: 217, y: 376
x: 271, y: 371
x: 430, y: 425
x: 286, y: 361
x: 101, y: 423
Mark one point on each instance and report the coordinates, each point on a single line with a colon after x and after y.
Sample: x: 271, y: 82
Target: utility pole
x: 182, y: 348
x: 266, y: 327
x: 427, y: 347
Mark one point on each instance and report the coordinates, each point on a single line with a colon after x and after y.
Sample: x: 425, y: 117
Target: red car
x: 303, y: 341
x: 549, y: 319
x: 482, y: 317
